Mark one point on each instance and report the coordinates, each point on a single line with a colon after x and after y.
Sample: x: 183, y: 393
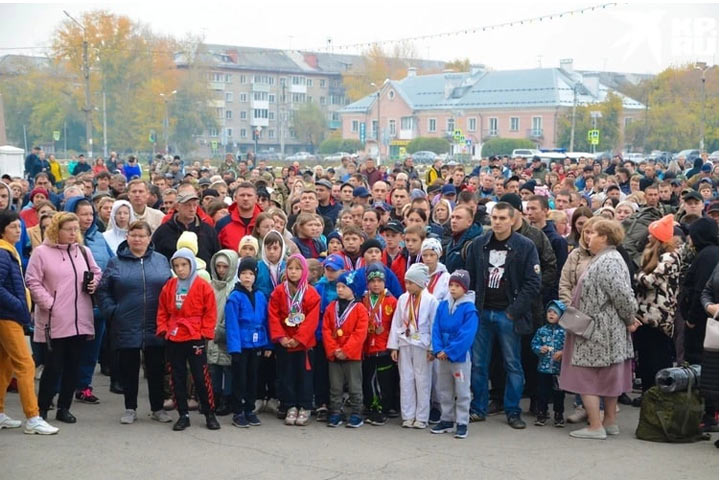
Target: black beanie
x: 513, y: 200
x: 248, y: 263
x: 368, y: 244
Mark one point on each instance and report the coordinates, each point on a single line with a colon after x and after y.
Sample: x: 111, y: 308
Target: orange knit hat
x: 662, y: 229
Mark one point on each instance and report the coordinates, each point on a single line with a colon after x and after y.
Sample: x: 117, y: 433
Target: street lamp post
x: 166, y: 123
x: 572, y: 128
x: 86, y: 74
x: 704, y: 68
x: 377, y: 131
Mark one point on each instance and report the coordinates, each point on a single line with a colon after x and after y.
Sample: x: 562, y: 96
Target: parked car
x: 337, y: 156
x: 424, y: 156
x: 300, y: 157
x: 689, y: 154
x: 713, y: 156
x: 525, y: 153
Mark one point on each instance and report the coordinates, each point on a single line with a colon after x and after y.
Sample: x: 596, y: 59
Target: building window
x: 298, y: 98
x: 271, y: 133
x: 355, y: 125
x: 283, y: 81
x: 492, y: 126
x: 271, y: 80
x: 266, y: 79
x: 472, y: 124
x: 220, y: 112
x: 628, y: 121
x: 260, y: 96
x: 308, y: 82
x: 406, y: 123
x: 260, y: 113
x: 537, y: 126
x: 243, y: 79
x: 298, y: 80
x: 271, y: 115
x: 217, y: 77
x: 243, y: 115
x: 309, y: 99
x: 514, y: 124
x: 228, y: 114
x: 391, y: 127
x: 432, y: 125
x: 228, y: 132
x: 271, y: 98
x: 322, y: 83
x: 450, y: 125
x: 228, y: 78
x: 375, y: 129
x: 322, y: 100
x: 213, y: 132
x: 243, y: 97
x: 243, y: 133
x: 228, y: 97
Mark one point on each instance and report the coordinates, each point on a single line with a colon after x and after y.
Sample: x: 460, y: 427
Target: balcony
x: 260, y: 104
x: 260, y: 87
x: 259, y: 122
x: 298, y: 88
x: 216, y: 85
x: 407, y: 134
x: 216, y: 103
x: 535, y: 133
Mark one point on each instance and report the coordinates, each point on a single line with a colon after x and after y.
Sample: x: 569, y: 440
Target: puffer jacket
x: 453, y: 331
x: 195, y: 320
x: 217, y: 353
x: 453, y: 255
x: 128, y: 297
x: 55, y: 277
x: 608, y: 299
x: 657, y: 293
x: 551, y: 335
x: 13, y: 298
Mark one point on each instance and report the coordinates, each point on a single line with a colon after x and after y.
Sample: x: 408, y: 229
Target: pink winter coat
x: 54, y: 277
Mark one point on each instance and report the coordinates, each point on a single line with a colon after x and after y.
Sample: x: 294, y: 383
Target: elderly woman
x: 624, y: 209
x: 30, y: 214
x: 128, y: 296
x: 601, y: 366
x: 15, y: 357
x: 56, y: 277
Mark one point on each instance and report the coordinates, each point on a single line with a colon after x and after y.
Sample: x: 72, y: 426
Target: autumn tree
x: 377, y: 66
x: 309, y: 125
x: 608, y: 124
x: 459, y: 65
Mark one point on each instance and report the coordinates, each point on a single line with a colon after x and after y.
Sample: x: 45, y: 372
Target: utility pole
x: 166, y: 122
x: 572, y: 128
x: 704, y: 68
x: 281, y: 119
x: 65, y: 139
x: 105, y: 146
x: 86, y: 74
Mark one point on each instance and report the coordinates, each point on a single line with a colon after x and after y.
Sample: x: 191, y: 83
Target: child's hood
x: 468, y: 297
x: 231, y: 257
x: 187, y: 255
x: 283, y: 248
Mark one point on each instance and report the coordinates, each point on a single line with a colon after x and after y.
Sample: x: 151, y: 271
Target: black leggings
x: 244, y: 379
x: 380, y: 380
x: 179, y: 355
x: 62, y: 360
x: 129, y: 373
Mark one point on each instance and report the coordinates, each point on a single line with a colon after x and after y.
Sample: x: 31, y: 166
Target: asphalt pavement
x: 98, y: 447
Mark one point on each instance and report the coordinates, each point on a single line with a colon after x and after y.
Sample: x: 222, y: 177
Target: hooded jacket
x: 115, y: 235
x: 23, y: 246
x: 551, y: 335
x: 195, y: 319
x: 231, y: 229
x: 128, y: 297
x: 453, y: 255
x: 354, y: 331
x: 13, y: 294
x: 657, y: 293
x: 391, y: 281
x: 55, y: 277
x: 246, y: 321
x: 575, y: 265
x: 217, y: 347
x: 439, y: 281
x: 94, y: 240
x: 270, y: 274
x: 455, y: 325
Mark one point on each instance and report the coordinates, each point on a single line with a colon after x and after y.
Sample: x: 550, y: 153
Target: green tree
x: 504, y: 146
x: 309, y: 124
x: 432, y: 144
x: 608, y: 124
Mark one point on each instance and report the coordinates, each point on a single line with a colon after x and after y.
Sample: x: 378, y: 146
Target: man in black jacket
x: 186, y: 219
x: 505, y: 275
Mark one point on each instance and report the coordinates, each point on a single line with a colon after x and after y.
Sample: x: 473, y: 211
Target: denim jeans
x: 495, y: 323
x: 91, y: 352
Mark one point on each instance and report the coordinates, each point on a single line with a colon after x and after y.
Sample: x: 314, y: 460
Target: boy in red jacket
x: 344, y: 330
x: 293, y: 314
x: 378, y: 368
x: 186, y: 319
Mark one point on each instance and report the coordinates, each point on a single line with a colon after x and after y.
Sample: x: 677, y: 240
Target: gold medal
x: 379, y: 329
x: 339, y: 332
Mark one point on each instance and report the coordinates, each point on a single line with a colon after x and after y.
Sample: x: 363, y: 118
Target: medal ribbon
x: 433, y: 282
x: 376, y: 309
x: 340, y: 319
x: 294, y: 301
x: 413, y: 307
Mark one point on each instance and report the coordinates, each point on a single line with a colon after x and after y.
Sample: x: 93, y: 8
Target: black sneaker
x: 434, y: 416
x: 86, y: 396
x: 559, y: 420
x: 476, y: 417
x: 224, y: 406
x: 494, y: 408
x: 182, y: 423
x: 281, y: 413
x: 211, y: 422
x: 516, y: 422
x: 253, y: 419
x: 637, y: 401
x: 392, y: 413
x: 64, y: 415
x: 541, y: 420
x: 321, y: 414
x: 377, y: 419
x: 116, y: 387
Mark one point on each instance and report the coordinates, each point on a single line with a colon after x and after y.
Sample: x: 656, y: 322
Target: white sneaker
x: 259, y: 405
x: 128, y: 417
x: 420, y: 425
x: 407, y: 423
x: 161, y: 416
x: 7, y: 422
x: 598, y: 434
x: 272, y: 405
x: 37, y: 425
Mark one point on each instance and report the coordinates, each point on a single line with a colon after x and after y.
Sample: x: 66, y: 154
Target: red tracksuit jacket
x: 354, y: 331
x: 195, y: 320
x: 278, y: 310
x: 377, y: 342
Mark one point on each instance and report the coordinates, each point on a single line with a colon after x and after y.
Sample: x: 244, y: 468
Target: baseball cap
x: 693, y: 195
x: 186, y: 196
x: 204, y: 181
x: 393, y: 225
x: 513, y: 200
x: 448, y: 189
x: 707, y: 168
x: 334, y: 262
x: 361, y: 192
x: 324, y: 183
x: 381, y: 206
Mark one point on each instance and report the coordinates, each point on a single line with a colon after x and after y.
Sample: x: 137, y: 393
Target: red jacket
x: 398, y: 265
x: 231, y: 228
x: 278, y: 310
x: 355, y: 330
x: 377, y: 342
x: 204, y: 217
x: 195, y: 320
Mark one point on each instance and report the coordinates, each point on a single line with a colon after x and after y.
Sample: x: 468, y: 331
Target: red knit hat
x: 662, y: 229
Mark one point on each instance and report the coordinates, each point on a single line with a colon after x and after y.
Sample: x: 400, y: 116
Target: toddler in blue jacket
x: 548, y: 344
x: 452, y: 337
x: 247, y: 341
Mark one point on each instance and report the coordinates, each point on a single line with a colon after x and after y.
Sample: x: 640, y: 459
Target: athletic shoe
x: 161, y: 416
x: 182, y: 423
x: 516, y: 422
x: 38, y: 426
x: 253, y: 419
x: 7, y: 422
x: 86, y: 396
x: 377, y: 419
x: 128, y: 417
x: 589, y: 434
x: 443, y: 427
x: 334, y: 420
x: 392, y: 413
x: 38, y: 373
x: 321, y: 414
x: 559, y: 420
x: 419, y: 425
x: 272, y: 406
x: 169, y: 404
x: 434, y: 416
x: 494, y: 408
x: 192, y: 404
x: 240, y: 420
x: 477, y: 417
x: 355, y: 421
x: 64, y: 415
x: 211, y: 421
x: 461, y: 431
x: 407, y: 423
x: 579, y: 416
x: 637, y: 401
x: 612, y: 429
x: 291, y: 416
x: 541, y: 420
x: 303, y: 418
x: 625, y: 399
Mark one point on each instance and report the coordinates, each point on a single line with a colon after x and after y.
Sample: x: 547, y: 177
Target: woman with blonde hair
x: 280, y: 220
x: 307, y: 236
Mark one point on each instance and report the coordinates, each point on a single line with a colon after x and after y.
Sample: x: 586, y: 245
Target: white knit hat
x: 419, y: 274
x: 432, y: 244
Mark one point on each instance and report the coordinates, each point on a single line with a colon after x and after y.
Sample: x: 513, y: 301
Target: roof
x: 482, y: 89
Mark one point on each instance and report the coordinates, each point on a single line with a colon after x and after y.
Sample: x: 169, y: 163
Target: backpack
x: 636, y: 231
x: 670, y: 417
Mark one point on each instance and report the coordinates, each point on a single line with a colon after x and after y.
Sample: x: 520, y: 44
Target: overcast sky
x: 634, y: 37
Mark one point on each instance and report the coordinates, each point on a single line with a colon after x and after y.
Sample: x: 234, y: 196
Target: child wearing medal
x: 293, y: 313
x: 380, y: 377
x: 344, y: 330
x: 410, y: 345
x: 453, y: 334
x: 431, y: 251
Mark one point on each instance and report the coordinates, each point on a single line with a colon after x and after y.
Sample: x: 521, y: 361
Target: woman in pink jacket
x: 61, y: 290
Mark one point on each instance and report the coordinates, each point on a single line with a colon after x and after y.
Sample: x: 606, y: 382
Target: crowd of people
x: 358, y: 292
